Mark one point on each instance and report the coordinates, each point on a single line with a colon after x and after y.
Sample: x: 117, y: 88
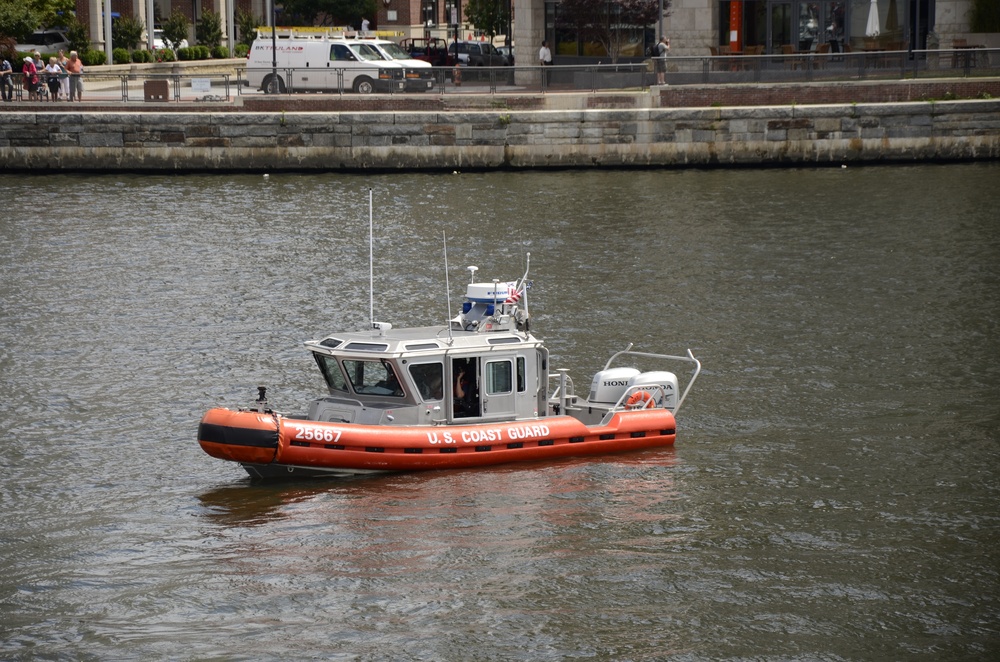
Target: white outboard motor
x: 609, y: 385
x: 662, y: 386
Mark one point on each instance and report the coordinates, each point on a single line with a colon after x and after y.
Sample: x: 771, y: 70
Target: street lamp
x: 509, y: 41
x: 273, y: 87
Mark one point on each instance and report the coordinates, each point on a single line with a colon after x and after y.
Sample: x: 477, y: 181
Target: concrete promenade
x: 637, y: 129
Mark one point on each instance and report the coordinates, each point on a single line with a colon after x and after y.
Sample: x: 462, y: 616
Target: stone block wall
x: 496, y: 139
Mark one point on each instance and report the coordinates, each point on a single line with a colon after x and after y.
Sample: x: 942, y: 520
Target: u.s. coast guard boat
x: 469, y: 393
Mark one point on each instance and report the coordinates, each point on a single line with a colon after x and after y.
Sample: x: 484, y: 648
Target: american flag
x: 516, y: 295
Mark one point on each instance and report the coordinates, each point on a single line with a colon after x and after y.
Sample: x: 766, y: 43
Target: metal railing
x: 690, y: 70
x: 811, y: 66
x: 137, y: 86
x: 141, y: 87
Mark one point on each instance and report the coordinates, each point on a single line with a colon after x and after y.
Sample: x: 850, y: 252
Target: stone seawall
x: 75, y: 140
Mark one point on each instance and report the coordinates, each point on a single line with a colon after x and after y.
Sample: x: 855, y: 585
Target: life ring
x: 640, y: 400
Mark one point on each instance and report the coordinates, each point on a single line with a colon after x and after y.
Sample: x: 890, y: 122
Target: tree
x: 610, y: 23
x: 78, y: 35
x: 334, y: 12
x: 126, y: 32
x: 175, y: 29
x: 490, y: 16
x: 247, y: 25
x: 208, y: 30
x: 17, y: 20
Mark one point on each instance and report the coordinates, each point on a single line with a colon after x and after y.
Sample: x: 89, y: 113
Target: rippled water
x: 832, y: 495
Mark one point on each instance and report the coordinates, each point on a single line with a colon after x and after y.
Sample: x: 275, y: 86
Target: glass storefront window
x: 803, y: 25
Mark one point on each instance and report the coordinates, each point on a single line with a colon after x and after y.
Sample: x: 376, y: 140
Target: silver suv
x: 45, y: 41
x: 477, y: 54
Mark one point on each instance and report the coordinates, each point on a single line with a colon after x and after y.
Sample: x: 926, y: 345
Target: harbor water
x: 832, y: 493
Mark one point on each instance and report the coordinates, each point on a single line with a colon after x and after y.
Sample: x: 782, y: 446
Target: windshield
x: 373, y: 378
x: 366, y: 52
x: 394, y: 51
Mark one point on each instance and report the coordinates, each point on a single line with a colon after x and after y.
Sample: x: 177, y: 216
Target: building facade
x: 694, y: 26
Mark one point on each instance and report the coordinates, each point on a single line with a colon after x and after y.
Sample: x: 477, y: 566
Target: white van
x: 419, y: 75
x: 315, y: 61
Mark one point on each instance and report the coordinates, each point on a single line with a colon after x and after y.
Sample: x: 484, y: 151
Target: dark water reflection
x: 832, y: 494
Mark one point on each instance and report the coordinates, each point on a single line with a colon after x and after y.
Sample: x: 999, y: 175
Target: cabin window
x: 429, y: 379
x: 331, y: 372
x: 373, y: 378
x: 367, y: 347
x: 503, y: 341
x: 521, y: 382
x: 422, y: 345
x: 499, y: 377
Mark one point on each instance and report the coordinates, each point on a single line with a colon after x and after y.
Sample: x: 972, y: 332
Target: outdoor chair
x: 822, y: 55
x: 792, y: 60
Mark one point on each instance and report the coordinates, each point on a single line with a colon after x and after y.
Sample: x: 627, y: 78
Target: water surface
x: 832, y: 494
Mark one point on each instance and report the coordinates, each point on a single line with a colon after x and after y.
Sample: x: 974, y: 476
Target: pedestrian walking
x: 6, y: 84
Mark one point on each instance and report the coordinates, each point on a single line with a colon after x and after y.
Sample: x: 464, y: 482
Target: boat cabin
x: 482, y: 366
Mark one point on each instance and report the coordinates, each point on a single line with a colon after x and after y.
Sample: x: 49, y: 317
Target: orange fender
x: 239, y: 436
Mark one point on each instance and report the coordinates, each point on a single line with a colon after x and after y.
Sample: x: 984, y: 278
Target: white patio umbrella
x: 872, y: 29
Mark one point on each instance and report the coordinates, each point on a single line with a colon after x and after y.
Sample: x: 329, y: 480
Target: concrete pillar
x: 529, y: 31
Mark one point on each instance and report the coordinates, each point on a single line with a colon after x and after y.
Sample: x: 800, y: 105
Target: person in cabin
x: 465, y: 403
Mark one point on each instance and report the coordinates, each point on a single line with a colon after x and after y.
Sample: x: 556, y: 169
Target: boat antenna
x: 524, y: 283
x: 371, y: 262
x: 447, y: 285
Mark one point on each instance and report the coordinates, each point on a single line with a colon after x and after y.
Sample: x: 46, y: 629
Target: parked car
x: 45, y: 41
x: 417, y: 73
x: 307, y: 64
x: 477, y: 54
x: 508, y: 53
x: 433, y: 50
x: 160, y: 42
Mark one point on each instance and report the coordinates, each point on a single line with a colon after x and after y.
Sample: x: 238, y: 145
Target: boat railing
x: 564, y: 391
x: 667, y: 357
x: 655, y: 391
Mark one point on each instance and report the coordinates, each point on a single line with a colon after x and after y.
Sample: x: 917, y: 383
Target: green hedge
x: 120, y: 56
x: 194, y: 53
x: 93, y: 58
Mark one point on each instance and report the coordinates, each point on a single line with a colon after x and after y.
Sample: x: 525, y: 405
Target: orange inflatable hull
x: 271, y: 440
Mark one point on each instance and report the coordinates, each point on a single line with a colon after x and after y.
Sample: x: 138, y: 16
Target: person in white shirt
x: 545, y: 59
x: 52, y: 71
x: 364, y: 26
x: 544, y: 54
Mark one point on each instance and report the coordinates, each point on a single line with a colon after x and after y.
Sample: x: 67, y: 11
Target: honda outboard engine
x: 661, y: 385
x: 610, y: 385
